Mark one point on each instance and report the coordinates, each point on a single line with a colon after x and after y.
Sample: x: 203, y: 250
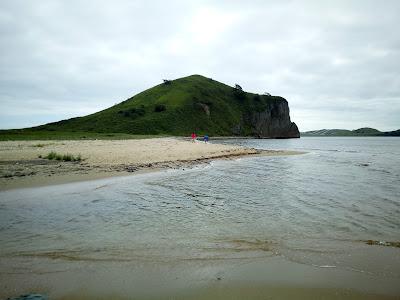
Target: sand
x: 20, y: 165
x: 263, y: 278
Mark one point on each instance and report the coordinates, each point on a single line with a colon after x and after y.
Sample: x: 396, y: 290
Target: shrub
x: 138, y: 111
x: 51, y: 155
x: 133, y: 112
x: 239, y: 94
x: 204, y: 93
x: 61, y: 157
x: 160, y: 108
x: 167, y: 81
x: 67, y: 157
x: 238, y: 87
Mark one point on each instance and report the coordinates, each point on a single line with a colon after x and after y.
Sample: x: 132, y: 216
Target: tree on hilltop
x: 238, y: 87
x: 167, y: 81
x: 238, y: 92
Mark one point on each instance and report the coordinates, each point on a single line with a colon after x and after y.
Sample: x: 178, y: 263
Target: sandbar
x: 22, y: 163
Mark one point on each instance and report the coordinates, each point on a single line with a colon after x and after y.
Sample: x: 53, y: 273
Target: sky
x: 336, y: 62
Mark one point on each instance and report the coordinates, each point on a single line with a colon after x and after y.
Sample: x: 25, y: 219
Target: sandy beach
x: 20, y: 165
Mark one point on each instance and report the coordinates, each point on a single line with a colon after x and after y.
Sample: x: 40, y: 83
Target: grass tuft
x: 41, y: 145
x: 62, y: 157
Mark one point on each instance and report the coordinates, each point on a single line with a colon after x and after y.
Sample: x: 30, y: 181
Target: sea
x: 329, y: 217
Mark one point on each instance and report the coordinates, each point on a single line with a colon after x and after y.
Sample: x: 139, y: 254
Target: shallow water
x: 314, y: 209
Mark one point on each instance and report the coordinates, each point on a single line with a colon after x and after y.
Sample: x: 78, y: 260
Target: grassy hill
x: 177, y: 107
x: 366, y: 131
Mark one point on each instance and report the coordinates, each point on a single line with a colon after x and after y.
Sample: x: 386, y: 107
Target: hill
x: 181, y: 106
x: 366, y: 131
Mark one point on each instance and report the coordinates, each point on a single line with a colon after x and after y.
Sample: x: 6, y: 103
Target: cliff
x: 274, y: 122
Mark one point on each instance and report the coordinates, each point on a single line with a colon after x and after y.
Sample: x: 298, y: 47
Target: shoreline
x: 20, y: 166
x: 251, y: 278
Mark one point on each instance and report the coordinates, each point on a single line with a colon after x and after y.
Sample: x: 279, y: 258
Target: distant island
x: 178, y: 107
x: 366, y: 131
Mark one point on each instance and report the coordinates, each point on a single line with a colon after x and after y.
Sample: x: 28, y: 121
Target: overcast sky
x: 336, y: 62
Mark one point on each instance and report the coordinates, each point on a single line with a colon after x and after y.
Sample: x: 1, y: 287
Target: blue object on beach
x: 206, y: 138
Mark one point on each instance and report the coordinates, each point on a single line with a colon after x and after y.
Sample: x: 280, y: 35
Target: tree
x: 167, y: 81
x: 238, y: 92
x: 238, y: 87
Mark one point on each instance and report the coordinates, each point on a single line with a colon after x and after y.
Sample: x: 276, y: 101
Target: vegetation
x: 391, y: 133
x: 366, y: 131
x: 62, y: 157
x: 167, y: 81
x: 177, y: 107
x: 39, y: 145
x: 238, y: 87
x: 160, y: 108
x: 133, y: 113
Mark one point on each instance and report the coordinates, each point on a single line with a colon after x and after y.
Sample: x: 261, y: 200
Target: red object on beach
x: 193, y: 136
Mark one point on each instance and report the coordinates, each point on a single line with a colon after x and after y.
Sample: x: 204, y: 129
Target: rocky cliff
x: 274, y: 122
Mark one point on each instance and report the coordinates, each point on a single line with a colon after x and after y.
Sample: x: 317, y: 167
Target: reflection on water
x: 312, y: 208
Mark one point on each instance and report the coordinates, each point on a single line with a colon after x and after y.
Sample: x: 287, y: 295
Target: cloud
x: 336, y: 62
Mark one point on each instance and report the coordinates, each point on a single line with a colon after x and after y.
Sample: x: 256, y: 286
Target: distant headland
x: 365, y: 131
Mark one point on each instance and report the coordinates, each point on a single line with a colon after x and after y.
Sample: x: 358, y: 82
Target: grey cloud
x: 65, y: 58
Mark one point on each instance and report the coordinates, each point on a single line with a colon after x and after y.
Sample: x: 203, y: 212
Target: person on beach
x: 205, y: 138
x: 193, y: 137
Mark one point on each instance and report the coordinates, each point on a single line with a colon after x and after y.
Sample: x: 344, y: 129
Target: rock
x: 274, y: 121
x: 383, y: 243
x: 204, y: 107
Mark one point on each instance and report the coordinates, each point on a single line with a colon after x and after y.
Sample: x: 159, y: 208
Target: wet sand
x: 268, y: 278
x: 20, y: 165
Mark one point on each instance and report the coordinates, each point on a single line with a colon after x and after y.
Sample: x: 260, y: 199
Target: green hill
x: 366, y: 131
x: 181, y: 106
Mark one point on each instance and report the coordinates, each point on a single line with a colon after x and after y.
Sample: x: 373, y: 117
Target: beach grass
x: 41, y: 145
x: 61, y: 157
